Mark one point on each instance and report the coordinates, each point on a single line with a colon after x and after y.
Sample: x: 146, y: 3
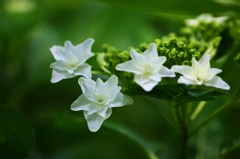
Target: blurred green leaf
x: 232, y: 151
x: 148, y: 147
x: 174, y: 7
x: 17, y: 136
x: 178, y: 94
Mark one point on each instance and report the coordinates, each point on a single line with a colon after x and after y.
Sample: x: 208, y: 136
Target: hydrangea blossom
x: 200, y: 73
x: 98, y: 99
x: 147, y: 67
x: 70, y: 60
x: 208, y: 18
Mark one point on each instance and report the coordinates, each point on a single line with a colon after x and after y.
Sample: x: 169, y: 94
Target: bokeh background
x: 40, y: 111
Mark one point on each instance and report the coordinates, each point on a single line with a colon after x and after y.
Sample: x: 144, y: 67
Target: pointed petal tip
x: 54, y: 81
x: 152, y: 45
x: 147, y: 88
x: 93, y: 130
x: 68, y: 42
x: 90, y: 40
x: 129, y: 100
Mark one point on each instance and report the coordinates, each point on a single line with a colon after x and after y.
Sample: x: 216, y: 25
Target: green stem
x: 211, y: 116
x: 184, y: 130
x: 199, y: 108
x: 178, y: 115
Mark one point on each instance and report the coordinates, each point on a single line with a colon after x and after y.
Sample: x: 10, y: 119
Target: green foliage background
x: 39, y: 112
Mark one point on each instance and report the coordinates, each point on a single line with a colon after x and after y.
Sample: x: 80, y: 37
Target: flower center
x: 100, y: 100
x: 200, y: 74
x: 147, y: 70
x: 74, y: 63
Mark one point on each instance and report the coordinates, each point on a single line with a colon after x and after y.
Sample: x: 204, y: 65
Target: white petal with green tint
x: 98, y: 99
x: 147, y: 67
x: 200, y: 73
x: 71, y: 60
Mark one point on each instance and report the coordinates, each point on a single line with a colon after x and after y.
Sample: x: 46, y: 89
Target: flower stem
x: 179, y: 117
x: 199, y: 108
x: 211, y: 116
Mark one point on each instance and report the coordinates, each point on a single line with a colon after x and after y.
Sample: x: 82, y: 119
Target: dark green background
x: 35, y: 115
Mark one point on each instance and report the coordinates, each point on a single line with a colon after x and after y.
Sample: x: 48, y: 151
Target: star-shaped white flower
x: 70, y: 60
x: 208, y: 18
x: 98, y: 99
x: 147, y: 67
x: 200, y: 73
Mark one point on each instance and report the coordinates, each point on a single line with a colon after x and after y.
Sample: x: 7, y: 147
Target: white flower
x: 200, y: 73
x: 70, y: 60
x: 98, y: 99
x: 147, y: 67
x: 208, y: 18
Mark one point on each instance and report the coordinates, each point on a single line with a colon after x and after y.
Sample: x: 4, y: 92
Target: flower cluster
x: 147, y: 65
x: 98, y: 97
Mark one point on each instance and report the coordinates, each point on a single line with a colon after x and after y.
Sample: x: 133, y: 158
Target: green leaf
x: 148, y: 146
x: 176, y: 7
x: 179, y: 94
x: 16, y: 135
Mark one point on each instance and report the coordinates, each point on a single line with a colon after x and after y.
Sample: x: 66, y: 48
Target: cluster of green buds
x: 186, y: 56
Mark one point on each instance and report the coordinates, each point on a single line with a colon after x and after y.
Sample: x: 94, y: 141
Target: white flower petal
x: 205, y: 62
x: 136, y: 56
x: 94, y: 121
x: 156, y: 77
x: 218, y: 83
x: 110, y: 89
x: 149, y: 85
x: 82, y: 103
x: 83, y: 50
x: 94, y: 108
x: 184, y: 70
x: 213, y: 72
x: 58, y: 75
x: 151, y: 51
x: 205, y: 59
x: 105, y: 113
x: 165, y: 72
x: 84, y: 70
x: 99, y: 83
x: 87, y: 86
x: 184, y: 80
x: 68, y: 45
x: 128, y: 66
x: 139, y: 79
x: 107, y: 90
x: 146, y: 84
x: 58, y: 52
x: 121, y: 100
x: 112, y: 82
x: 160, y: 60
x: 62, y: 65
x: 195, y: 64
